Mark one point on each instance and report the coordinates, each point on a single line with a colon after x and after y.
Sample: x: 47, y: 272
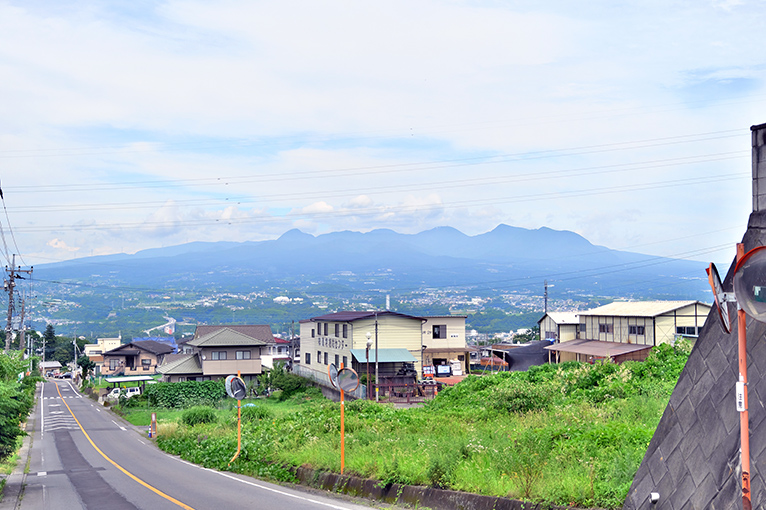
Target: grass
x: 9, y: 464
x: 569, y: 434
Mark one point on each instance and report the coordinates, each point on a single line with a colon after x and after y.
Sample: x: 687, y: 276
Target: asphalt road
x: 83, y: 456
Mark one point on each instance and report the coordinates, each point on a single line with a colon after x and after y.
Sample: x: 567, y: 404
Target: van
x: 128, y: 392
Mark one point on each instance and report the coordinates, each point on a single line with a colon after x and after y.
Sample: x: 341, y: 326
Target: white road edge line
x: 42, y: 420
x: 270, y: 489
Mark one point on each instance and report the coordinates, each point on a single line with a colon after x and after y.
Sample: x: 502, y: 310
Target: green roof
x: 384, y: 355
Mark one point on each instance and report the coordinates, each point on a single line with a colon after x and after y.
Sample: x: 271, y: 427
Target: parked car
x: 128, y: 392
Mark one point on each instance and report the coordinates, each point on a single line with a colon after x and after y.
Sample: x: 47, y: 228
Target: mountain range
x: 502, y: 260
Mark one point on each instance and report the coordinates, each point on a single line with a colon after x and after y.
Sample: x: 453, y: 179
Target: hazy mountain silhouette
x: 506, y: 258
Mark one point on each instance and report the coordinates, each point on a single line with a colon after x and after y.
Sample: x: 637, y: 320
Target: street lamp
x: 369, y: 344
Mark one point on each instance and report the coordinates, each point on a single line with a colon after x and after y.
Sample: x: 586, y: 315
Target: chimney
x: 759, y: 167
x: 388, y: 302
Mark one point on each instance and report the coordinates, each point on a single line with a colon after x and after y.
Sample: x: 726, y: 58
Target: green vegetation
x: 568, y: 434
x: 16, y: 400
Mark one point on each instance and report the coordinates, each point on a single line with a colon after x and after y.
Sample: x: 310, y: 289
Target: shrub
x: 185, y: 394
x: 253, y: 413
x: 197, y: 415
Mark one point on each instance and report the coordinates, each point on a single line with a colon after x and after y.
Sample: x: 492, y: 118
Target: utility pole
x: 10, y: 284
x: 22, y: 344
x: 546, y: 297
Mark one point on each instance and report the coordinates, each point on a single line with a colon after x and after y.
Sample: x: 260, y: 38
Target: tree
x: 87, y: 366
x: 49, y: 336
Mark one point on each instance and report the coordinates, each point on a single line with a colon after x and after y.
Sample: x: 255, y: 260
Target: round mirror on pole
x: 750, y: 283
x: 332, y: 371
x: 721, y: 301
x: 348, y: 380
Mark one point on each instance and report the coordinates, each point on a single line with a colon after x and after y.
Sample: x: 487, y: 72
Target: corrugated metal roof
x: 189, y: 364
x: 227, y: 337
x: 597, y: 348
x: 641, y: 308
x: 563, y: 317
x: 384, y: 355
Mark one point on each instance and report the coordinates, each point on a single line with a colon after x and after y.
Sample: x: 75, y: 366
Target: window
x: 336, y: 361
x: 440, y: 331
x: 345, y: 331
x: 243, y: 354
x: 146, y: 364
x: 325, y: 329
x: 583, y: 329
x: 345, y: 361
x: 636, y: 330
x: 319, y: 356
x: 337, y: 330
x: 605, y: 328
x: 686, y: 330
x: 113, y: 364
x: 325, y: 358
x: 308, y: 358
x: 218, y: 355
x: 550, y: 334
x: 312, y: 332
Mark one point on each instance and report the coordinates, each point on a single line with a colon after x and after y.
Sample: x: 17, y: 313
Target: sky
x: 134, y: 125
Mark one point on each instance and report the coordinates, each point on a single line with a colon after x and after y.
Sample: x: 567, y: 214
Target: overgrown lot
x: 565, y: 434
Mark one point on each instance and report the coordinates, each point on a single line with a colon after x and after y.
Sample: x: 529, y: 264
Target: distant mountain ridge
x: 504, y: 258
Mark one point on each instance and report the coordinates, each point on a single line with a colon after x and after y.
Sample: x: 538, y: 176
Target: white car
x: 128, y: 392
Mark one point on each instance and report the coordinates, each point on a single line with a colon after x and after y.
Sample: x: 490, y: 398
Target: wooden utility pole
x: 13, y: 273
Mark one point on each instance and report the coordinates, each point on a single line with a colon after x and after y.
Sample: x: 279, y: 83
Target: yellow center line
x: 131, y: 475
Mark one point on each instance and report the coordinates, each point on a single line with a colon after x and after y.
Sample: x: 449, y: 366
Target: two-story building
x: 621, y: 330
x: 342, y: 337
x: 95, y: 352
x: 220, y: 351
x: 135, y: 358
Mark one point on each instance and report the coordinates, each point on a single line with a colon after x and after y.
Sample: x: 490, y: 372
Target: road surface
x: 82, y: 456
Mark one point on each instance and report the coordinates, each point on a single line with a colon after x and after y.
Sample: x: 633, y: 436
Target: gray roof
x: 146, y: 345
x: 693, y: 459
x: 349, y: 316
x: 188, y: 364
x: 225, y: 337
x: 260, y: 332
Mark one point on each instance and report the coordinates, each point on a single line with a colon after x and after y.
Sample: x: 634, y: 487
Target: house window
x: 337, y: 330
x: 636, y: 330
x: 440, y: 331
x: 686, y: 330
x: 113, y: 364
x: 583, y: 328
x: 319, y: 356
x: 218, y: 355
x: 325, y: 329
x: 345, y: 361
x: 308, y: 358
x: 146, y: 364
x: 312, y: 332
x: 243, y: 354
x: 336, y: 361
x: 605, y: 328
x: 345, y: 331
x: 325, y: 358
x: 550, y: 334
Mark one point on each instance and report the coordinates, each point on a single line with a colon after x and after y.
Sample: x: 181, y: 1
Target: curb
x: 410, y: 495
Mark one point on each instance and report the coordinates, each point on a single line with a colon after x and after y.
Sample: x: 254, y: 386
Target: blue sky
x: 125, y: 128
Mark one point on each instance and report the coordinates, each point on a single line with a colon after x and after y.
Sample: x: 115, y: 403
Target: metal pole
x: 744, y: 417
x: 377, y: 379
x: 368, y: 372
